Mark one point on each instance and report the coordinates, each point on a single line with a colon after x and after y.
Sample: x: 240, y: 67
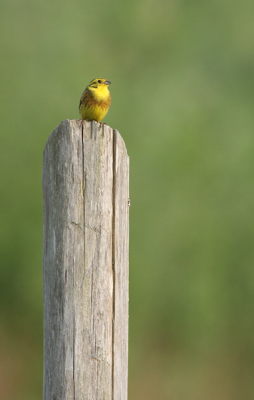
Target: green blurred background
x: 182, y: 76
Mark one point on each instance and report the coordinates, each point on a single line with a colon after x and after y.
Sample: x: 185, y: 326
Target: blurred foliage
x: 182, y: 98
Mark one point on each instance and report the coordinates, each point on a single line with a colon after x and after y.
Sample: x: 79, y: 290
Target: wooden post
x: 85, y: 263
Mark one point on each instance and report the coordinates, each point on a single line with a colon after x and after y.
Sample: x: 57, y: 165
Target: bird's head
x: 99, y: 89
x: 99, y: 83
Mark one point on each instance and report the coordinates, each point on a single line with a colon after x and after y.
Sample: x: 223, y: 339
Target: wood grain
x: 85, y: 263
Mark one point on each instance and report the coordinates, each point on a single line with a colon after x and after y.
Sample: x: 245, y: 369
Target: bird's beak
x: 107, y: 82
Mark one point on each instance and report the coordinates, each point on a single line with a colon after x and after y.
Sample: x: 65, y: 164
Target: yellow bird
x: 95, y: 101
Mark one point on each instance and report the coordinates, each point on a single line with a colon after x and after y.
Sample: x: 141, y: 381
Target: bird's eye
x: 99, y: 81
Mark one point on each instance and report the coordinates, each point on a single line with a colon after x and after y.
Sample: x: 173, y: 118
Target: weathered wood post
x: 85, y: 263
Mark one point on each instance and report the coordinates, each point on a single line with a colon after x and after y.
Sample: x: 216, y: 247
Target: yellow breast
x: 93, y: 111
x: 94, y: 105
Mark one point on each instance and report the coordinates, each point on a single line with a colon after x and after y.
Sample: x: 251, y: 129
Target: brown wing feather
x: 85, y: 98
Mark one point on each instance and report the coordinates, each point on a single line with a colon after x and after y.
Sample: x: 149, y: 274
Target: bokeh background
x: 182, y: 90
